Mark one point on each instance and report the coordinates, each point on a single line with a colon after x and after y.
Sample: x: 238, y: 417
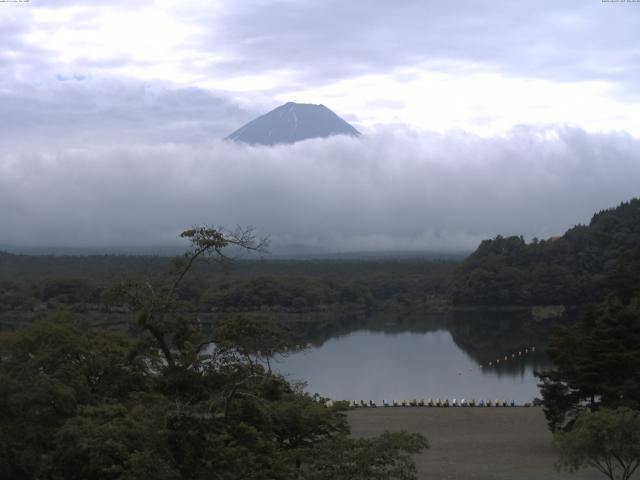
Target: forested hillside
x: 32, y: 287
x: 570, y: 270
x: 174, y: 402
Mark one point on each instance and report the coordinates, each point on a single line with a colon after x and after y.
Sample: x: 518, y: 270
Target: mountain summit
x: 290, y: 123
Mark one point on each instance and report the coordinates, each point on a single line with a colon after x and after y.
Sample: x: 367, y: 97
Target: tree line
x: 174, y: 402
x: 248, y: 286
x: 568, y: 270
x: 592, y: 393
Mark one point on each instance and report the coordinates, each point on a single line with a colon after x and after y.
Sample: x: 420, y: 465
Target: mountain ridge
x: 291, y: 123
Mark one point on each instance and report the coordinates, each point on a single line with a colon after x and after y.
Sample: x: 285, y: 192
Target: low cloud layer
x: 390, y: 190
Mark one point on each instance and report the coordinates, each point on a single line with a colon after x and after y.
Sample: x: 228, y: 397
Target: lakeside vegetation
x: 596, y: 359
x: 301, y: 295
x: 174, y: 402
x: 79, y: 402
x: 569, y: 270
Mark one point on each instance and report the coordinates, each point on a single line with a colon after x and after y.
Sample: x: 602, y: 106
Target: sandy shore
x: 473, y: 443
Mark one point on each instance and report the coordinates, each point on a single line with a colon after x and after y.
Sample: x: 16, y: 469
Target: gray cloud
x: 90, y: 159
x: 324, y: 42
x: 74, y: 109
x: 329, y: 40
x: 392, y: 190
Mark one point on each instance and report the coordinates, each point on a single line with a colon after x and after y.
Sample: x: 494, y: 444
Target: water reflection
x: 445, y: 356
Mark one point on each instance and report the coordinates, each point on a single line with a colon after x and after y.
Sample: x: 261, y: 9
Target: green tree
x: 569, y: 270
x: 596, y: 360
x: 48, y: 372
x: 380, y: 458
x: 163, y: 315
x: 596, y: 363
x: 172, y: 403
x: 256, y: 339
x: 560, y: 404
x: 300, y: 422
x: 607, y: 440
x: 113, y: 441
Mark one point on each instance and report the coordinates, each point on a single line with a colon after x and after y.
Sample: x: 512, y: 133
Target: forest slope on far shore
x: 573, y: 269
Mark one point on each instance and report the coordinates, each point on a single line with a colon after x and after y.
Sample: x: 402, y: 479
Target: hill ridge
x: 572, y: 270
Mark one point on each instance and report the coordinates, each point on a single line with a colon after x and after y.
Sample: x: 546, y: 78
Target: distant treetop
x: 570, y: 270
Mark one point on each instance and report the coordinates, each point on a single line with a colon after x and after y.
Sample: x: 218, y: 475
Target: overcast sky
x: 479, y: 118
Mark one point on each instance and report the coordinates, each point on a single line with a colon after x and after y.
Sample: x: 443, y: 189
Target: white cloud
x: 111, y: 113
x: 436, y: 65
x: 386, y: 191
x: 474, y: 100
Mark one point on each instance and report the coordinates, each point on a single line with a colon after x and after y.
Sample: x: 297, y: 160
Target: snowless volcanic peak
x: 292, y: 122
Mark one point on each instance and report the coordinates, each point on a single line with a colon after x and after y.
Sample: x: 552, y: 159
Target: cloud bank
x: 391, y: 190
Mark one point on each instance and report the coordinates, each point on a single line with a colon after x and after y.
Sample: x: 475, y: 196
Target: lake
x: 447, y: 360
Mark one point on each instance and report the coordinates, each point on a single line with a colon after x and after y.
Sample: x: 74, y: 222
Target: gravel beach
x: 473, y: 443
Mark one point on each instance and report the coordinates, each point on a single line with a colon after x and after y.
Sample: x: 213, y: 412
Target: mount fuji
x: 290, y: 123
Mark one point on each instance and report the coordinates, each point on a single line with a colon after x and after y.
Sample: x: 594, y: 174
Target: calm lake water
x: 435, y: 363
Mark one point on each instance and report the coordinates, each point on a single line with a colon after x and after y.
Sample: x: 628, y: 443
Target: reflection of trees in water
x: 518, y: 365
x: 489, y: 336
x: 485, y: 336
x: 320, y: 330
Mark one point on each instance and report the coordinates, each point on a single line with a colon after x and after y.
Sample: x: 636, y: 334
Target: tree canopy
x: 173, y: 401
x: 596, y: 361
x: 607, y: 440
x: 567, y: 270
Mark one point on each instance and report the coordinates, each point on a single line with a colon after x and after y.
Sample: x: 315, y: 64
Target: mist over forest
x: 392, y: 190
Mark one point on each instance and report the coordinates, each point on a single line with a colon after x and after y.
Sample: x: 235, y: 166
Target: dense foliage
x: 597, y: 359
x: 80, y: 405
x: 568, y: 270
x: 32, y: 283
x: 173, y: 402
x: 607, y: 440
